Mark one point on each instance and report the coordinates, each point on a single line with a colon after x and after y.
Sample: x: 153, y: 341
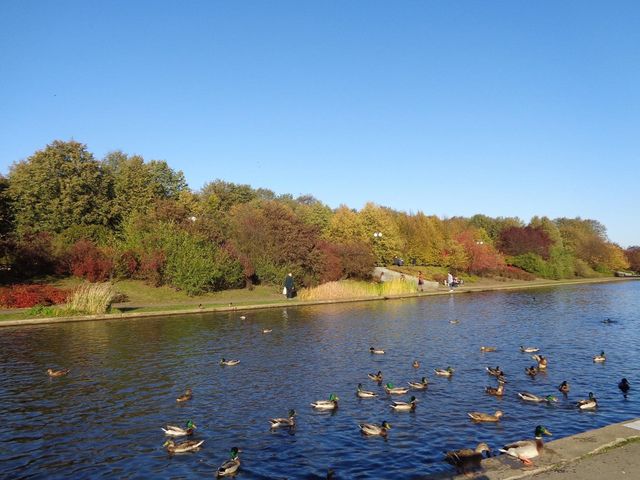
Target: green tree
x: 59, y: 187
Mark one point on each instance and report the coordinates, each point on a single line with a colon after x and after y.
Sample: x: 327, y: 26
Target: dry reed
x: 91, y: 298
x: 355, y: 289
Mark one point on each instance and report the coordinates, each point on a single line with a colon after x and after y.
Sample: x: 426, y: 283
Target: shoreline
x: 297, y: 303
x: 583, y: 452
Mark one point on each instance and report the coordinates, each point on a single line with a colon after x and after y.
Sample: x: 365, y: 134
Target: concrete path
x: 591, y: 455
x: 392, y: 274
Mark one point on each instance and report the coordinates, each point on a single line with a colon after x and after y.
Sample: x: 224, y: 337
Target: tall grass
x: 355, y: 289
x: 91, y: 298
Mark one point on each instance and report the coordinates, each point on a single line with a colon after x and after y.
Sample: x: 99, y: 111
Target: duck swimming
x: 525, y: 450
x: 391, y: 390
x: 589, y: 404
x: 486, y: 417
x: 376, y: 351
x: 496, y: 372
x: 599, y: 358
x: 376, y: 377
x: 330, y: 404
x: 532, y: 371
x: 229, y: 363
x: 529, y: 349
x: 624, y: 386
x: 496, y: 391
x: 564, y: 387
x: 405, y: 406
x: 444, y: 372
x: 542, y: 361
x: 488, y: 349
x: 185, y: 396
x: 415, y: 364
x: 289, y: 422
x: 362, y: 393
x: 530, y: 397
x: 173, y: 431
x: 421, y: 385
x: 230, y: 466
x: 57, y: 373
x: 373, y: 429
x: 183, y: 447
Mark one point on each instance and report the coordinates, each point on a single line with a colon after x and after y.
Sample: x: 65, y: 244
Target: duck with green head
x: 373, y: 429
x: 444, y: 372
x: 230, y: 466
x: 525, y: 450
x: 330, y: 404
x: 530, y: 397
x: 284, y: 422
x: 409, y: 406
x: 589, y: 404
x: 421, y: 385
x: 362, y: 393
x: 599, y: 358
x: 393, y: 390
x: 174, y: 431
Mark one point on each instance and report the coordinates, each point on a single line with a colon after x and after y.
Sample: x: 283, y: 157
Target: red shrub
x: 25, y: 296
x: 89, y: 262
x: 516, y: 273
x: 152, y: 267
x: 127, y: 264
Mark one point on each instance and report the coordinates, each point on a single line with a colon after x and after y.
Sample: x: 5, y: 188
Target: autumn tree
x: 520, y: 240
x: 58, y: 187
x: 633, y: 257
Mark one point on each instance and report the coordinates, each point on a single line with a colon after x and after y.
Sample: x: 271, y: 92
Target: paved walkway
x: 388, y: 274
x: 608, y: 453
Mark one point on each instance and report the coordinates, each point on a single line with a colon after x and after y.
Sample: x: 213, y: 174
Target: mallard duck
x: 373, y: 429
x: 496, y: 391
x: 496, y: 372
x: 173, y: 431
x: 229, y: 363
x: 532, y: 371
x: 488, y: 349
x: 330, y: 404
x: 243, y: 317
x: 267, y: 330
x: 529, y: 349
x: 376, y: 377
x: 564, y: 387
x: 525, y: 450
x: 588, y: 404
x: 599, y: 358
x: 405, y: 406
x: 530, y: 397
x: 466, y: 459
x: 230, y: 466
x: 376, y: 351
x: 624, y: 386
x: 284, y: 422
x: 362, y: 393
x: 57, y: 373
x: 444, y: 372
x: 390, y: 389
x: 185, y: 396
x: 188, y: 446
x: 415, y: 364
x: 542, y: 361
x: 485, y: 417
x: 454, y: 322
x: 421, y: 385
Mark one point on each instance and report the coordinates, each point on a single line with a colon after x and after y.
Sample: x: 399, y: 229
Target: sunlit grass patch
x: 356, y: 289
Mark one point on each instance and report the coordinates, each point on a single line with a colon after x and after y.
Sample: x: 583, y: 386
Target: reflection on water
x: 103, y: 420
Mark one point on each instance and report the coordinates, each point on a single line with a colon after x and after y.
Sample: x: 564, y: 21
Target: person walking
x: 289, y: 286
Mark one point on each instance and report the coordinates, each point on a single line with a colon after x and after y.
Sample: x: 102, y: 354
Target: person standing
x: 450, y: 280
x: 289, y: 286
x: 420, y: 281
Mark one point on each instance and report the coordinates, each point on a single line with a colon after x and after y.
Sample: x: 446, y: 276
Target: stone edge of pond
x: 298, y: 303
x: 556, y: 454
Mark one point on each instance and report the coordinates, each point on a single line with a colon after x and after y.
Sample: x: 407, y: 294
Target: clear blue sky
x: 507, y: 108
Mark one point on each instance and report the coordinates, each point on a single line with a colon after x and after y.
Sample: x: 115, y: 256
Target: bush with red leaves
x: 26, y: 296
x: 89, y: 262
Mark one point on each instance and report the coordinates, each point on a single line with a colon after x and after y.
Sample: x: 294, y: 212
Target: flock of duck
x: 464, y: 460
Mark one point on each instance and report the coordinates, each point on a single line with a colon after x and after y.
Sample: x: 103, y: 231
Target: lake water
x: 103, y: 420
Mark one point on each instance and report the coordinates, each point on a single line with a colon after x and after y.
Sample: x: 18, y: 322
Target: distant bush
x: 515, y: 273
x: 88, y: 261
x: 26, y: 296
x: 152, y: 266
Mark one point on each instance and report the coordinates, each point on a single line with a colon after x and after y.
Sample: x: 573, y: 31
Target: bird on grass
x: 230, y: 466
x: 467, y: 460
x: 525, y: 450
